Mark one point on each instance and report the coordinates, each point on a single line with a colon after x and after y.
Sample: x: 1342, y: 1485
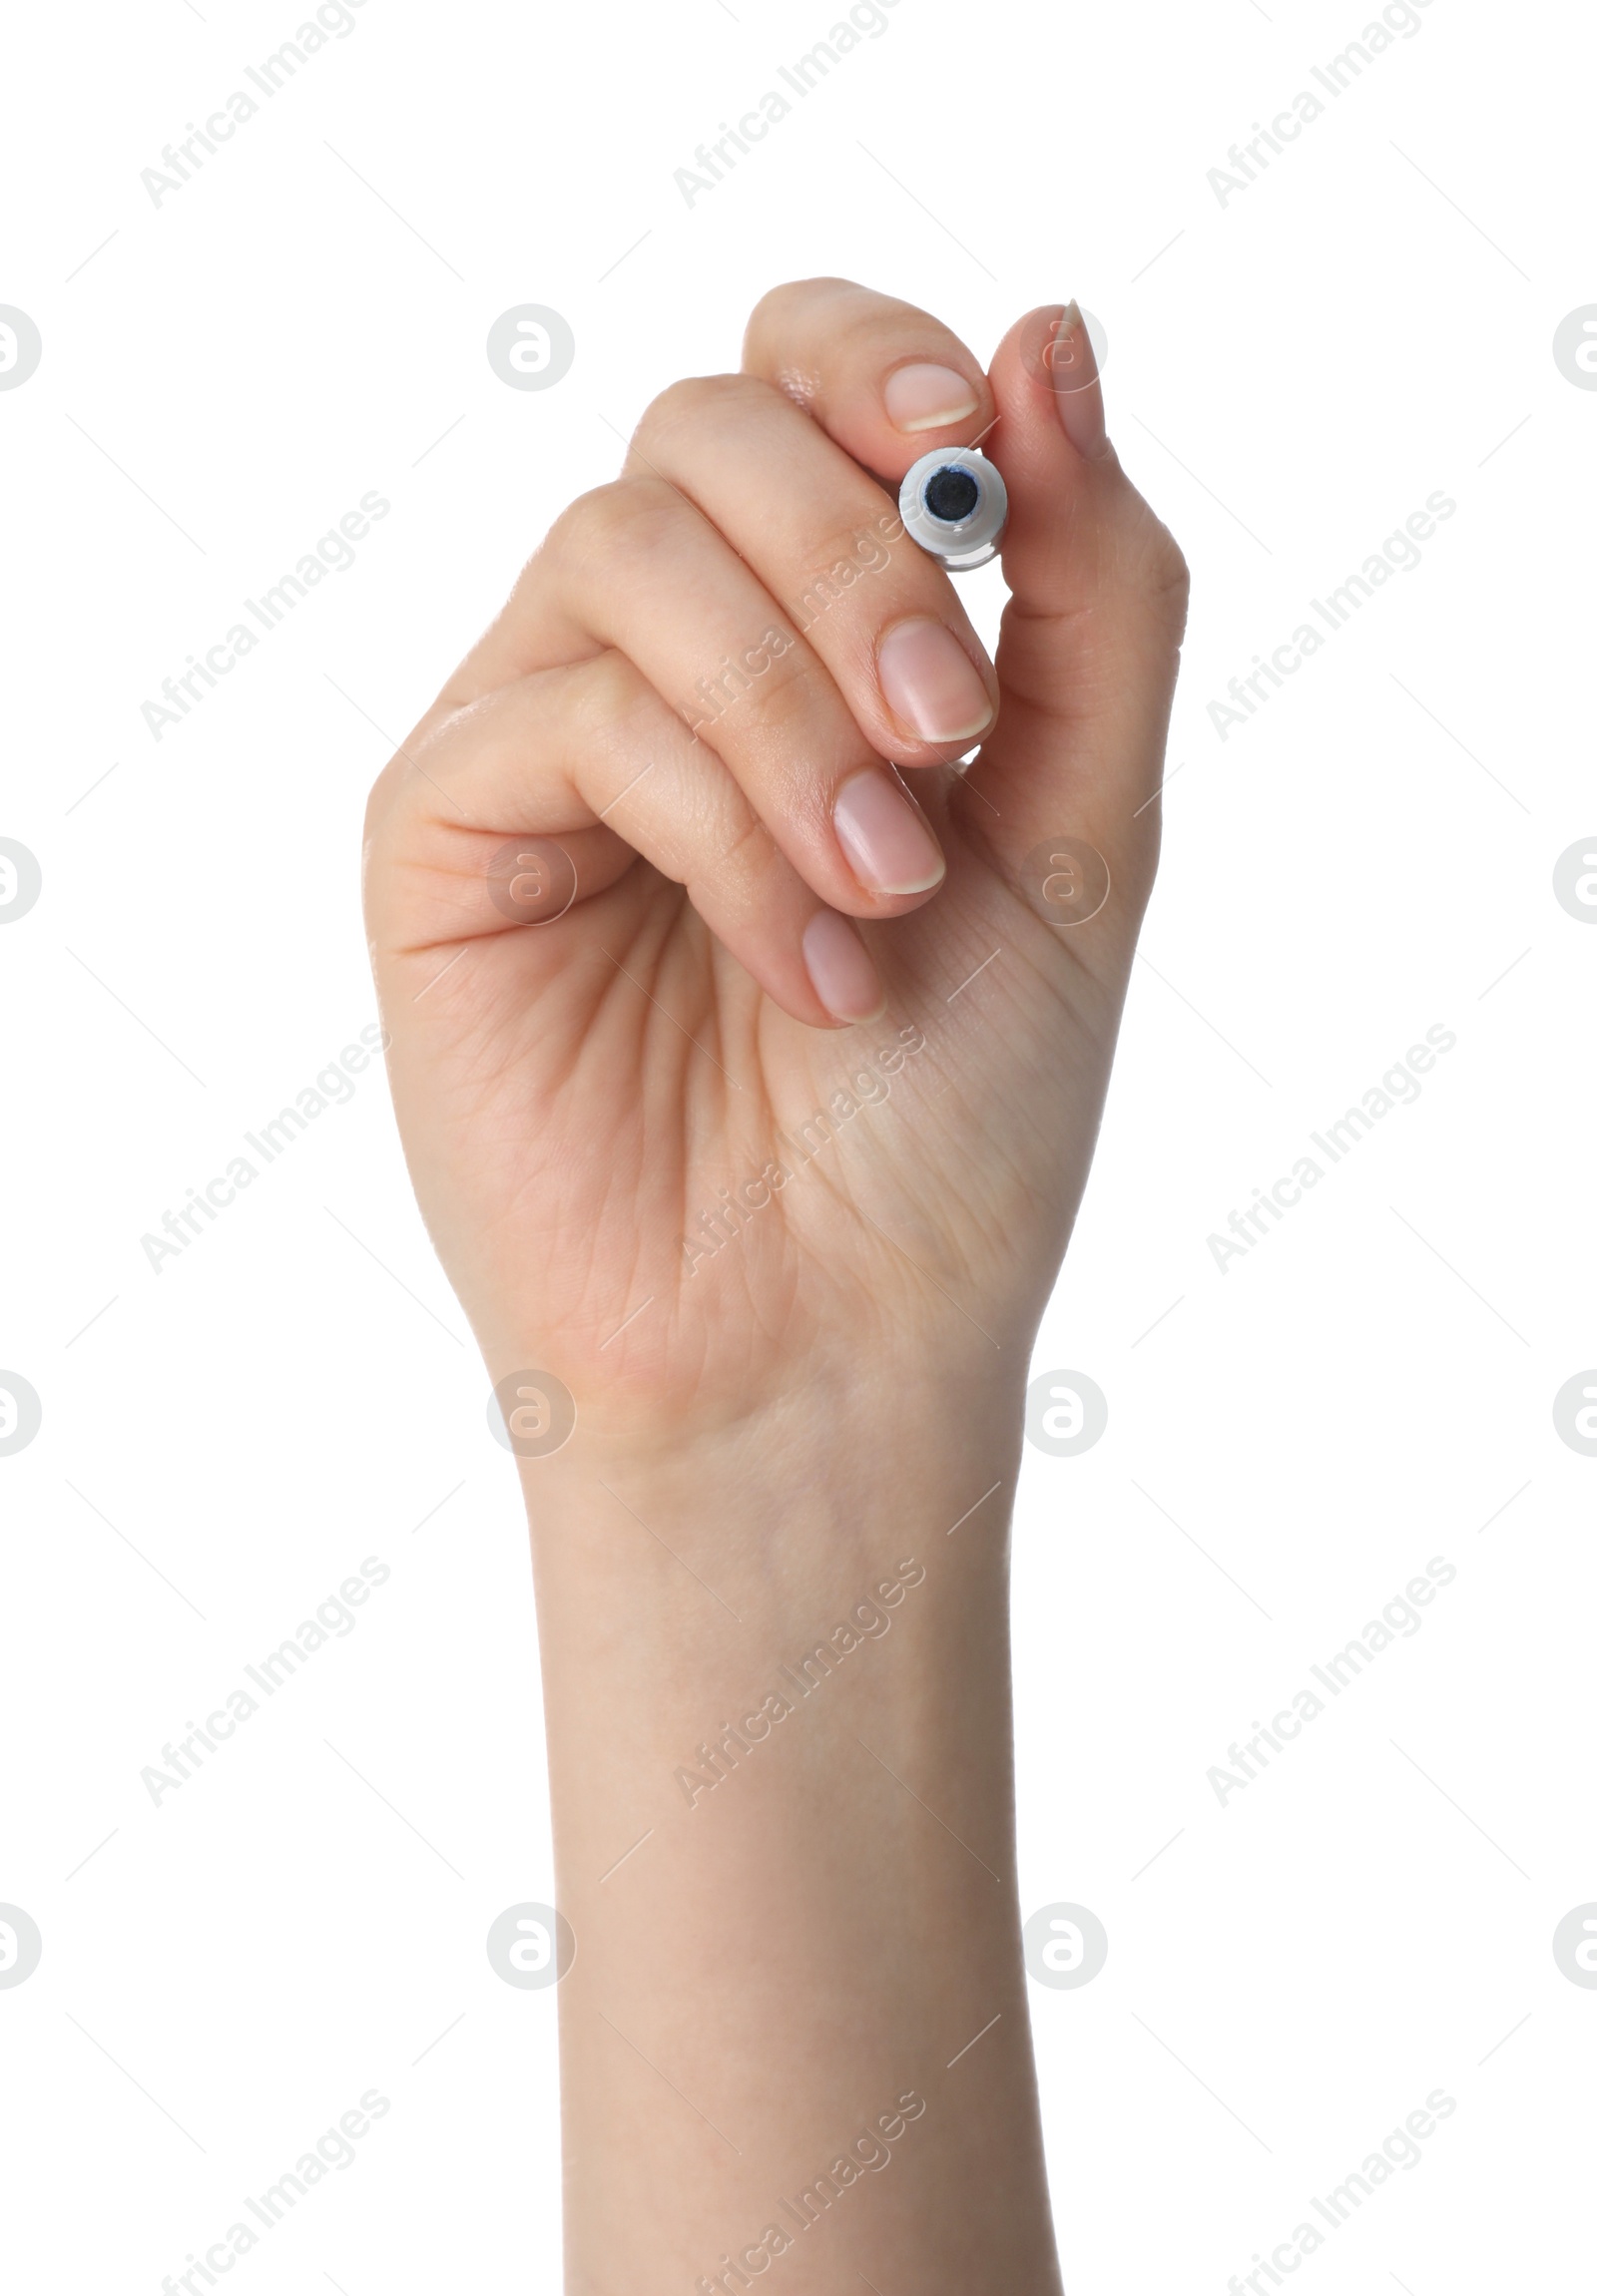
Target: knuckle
x: 794, y: 701
x: 747, y: 849
x: 1168, y: 580
x: 790, y: 690
x: 379, y: 797
x: 774, y: 702
x: 835, y: 564
x: 611, y: 695
x: 1169, y: 574
x: 1150, y: 570
x: 694, y: 399
x: 618, y: 717
x: 779, y: 303
x: 626, y: 514
x: 390, y: 783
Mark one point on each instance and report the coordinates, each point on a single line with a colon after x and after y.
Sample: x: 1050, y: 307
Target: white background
x: 1289, y: 375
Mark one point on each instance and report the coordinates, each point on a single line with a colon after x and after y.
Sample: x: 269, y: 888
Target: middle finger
x: 829, y: 543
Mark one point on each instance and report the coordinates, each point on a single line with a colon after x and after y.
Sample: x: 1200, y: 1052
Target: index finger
x: 888, y: 381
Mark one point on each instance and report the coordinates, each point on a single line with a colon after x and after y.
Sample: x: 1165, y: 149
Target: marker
x: 953, y: 504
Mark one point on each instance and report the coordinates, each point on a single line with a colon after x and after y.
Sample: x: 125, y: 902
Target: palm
x: 605, y: 1110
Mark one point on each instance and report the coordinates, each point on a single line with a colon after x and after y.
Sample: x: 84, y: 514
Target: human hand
x: 577, y: 1095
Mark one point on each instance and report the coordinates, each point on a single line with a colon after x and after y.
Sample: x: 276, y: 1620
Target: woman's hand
x: 798, y: 1077
x: 750, y: 1097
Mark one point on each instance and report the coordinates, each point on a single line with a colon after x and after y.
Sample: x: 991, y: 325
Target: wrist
x: 725, y: 1622
x: 679, y: 1588
x: 821, y: 1464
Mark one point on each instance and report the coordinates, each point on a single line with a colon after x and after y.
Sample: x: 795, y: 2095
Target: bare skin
x: 783, y: 1408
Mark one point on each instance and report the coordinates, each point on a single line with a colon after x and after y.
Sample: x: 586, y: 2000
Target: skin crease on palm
x: 778, y: 1418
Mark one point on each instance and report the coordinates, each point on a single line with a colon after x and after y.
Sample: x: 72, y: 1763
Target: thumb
x: 1091, y: 638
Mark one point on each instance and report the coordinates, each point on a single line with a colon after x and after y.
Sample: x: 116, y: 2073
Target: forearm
x: 778, y: 1693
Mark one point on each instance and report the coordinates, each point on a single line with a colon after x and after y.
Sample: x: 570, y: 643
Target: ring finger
x: 830, y: 546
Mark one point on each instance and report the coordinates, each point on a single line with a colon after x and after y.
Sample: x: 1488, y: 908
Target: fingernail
x: 888, y: 845
x: 927, y: 398
x: 839, y: 967
x: 930, y: 683
x: 1070, y: 367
